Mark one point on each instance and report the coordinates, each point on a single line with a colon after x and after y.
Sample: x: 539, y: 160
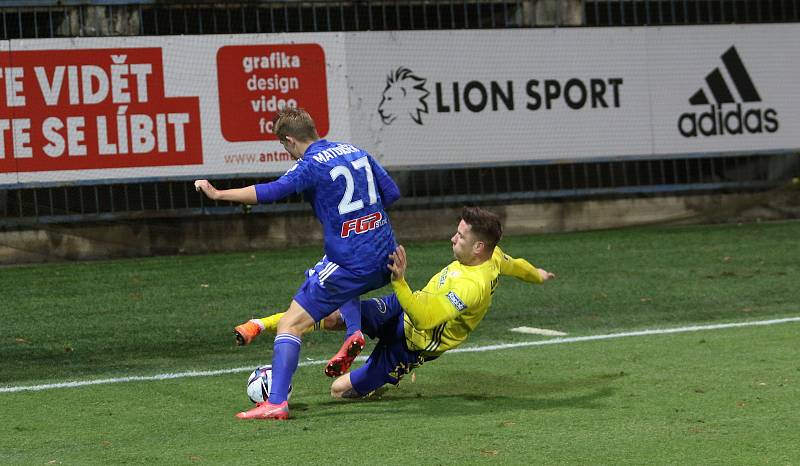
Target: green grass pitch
x: 724, y: 396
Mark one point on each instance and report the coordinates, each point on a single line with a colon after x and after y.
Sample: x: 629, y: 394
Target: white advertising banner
x: 153, y: 107
x: 97, y: 109
x: 472, y: 97
x: 724, y: 88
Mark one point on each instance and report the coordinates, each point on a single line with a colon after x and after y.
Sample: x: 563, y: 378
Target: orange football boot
x: 267, y: 410
x: 340, y: 363
x: 246, y: 332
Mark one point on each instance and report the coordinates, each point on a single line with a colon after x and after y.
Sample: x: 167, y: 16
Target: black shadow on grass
x: 457, y: 404
x: 506, y: 393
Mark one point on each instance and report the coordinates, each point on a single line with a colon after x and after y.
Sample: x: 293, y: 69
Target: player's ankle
x: 259, y: 323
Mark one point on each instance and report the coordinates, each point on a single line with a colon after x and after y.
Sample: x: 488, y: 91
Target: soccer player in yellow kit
x: 415, y: 327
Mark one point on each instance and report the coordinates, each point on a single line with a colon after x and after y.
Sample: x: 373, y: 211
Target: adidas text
x: 718, y: 122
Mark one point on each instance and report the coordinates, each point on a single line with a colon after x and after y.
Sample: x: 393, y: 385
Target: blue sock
x: 351, y: 313
x: 285, y: 356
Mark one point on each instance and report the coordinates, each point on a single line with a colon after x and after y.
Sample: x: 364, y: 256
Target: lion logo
x: 405, y: 94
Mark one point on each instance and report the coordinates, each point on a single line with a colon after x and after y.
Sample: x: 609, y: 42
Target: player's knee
x: 340, y: 386
x: 334, y: 322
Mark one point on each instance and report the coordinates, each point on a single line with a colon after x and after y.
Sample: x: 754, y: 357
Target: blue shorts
x: 390, y: 360
x: 328, y: 286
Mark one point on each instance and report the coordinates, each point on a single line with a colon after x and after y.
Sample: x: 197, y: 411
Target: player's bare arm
x: 246, y: 195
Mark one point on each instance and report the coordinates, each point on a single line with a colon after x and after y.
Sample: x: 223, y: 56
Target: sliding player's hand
x: 398, y: 263
x: 546, y: 275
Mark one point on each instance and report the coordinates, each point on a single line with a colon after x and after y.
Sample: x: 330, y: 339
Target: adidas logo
x: 725, y: 114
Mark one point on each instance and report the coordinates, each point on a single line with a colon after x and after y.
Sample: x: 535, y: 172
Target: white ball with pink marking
x: 259, y: 383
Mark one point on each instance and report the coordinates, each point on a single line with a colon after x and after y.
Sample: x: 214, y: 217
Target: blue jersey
x: 349, y: 191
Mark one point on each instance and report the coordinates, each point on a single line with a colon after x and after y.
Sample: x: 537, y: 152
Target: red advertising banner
x: 256, y: 81
x: 93, y: 108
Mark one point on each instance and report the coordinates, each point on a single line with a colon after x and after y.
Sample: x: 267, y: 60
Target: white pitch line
x: 142, y: 378
x: 538, y: 331
x: 554, y: 341
x: 659, y: 331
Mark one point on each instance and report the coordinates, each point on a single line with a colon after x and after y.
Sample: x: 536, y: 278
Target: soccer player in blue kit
x: 349, y: 191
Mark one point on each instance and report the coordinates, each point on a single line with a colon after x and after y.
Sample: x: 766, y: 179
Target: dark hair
x: 484, y: 224
x: 294, y: 122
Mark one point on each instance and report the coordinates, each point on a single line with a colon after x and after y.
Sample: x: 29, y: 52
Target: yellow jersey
x: 441, y: 316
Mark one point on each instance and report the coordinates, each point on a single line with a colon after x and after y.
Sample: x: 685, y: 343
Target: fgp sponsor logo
x: 405, y: 95
x: 457, y: 303
x: 362, y: 224
x: 726, y: 115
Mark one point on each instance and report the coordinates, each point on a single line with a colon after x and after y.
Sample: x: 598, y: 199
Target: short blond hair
x: 294, y: 122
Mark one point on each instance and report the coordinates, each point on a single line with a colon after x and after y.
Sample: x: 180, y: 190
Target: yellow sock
x: 271, y: 323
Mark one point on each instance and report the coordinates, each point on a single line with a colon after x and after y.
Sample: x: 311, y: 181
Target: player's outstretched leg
x: 341, y: 361
x: 248, y: 331
x: 267, y: 410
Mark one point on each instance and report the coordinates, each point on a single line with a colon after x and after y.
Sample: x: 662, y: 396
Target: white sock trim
x: 259, y: 323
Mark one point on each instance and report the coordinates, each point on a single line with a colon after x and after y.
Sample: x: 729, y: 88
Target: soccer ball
x: 258, y: 384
